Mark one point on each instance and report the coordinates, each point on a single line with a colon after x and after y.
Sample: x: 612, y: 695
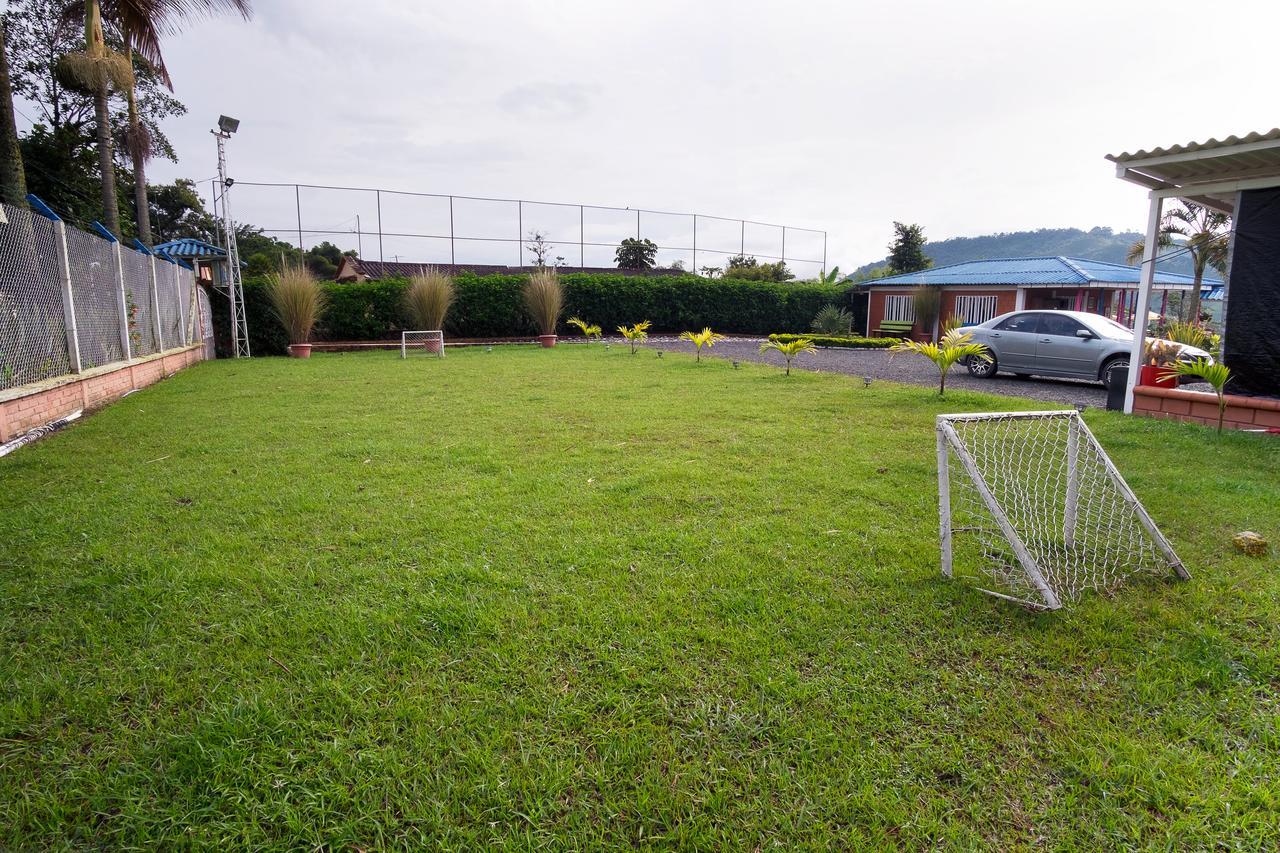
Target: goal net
x: 431, y: 342
x: 1034, y: 511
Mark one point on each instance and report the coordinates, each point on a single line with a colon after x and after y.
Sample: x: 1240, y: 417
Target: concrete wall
x: 22, y: 409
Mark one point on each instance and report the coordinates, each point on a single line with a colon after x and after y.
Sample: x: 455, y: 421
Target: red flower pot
x: 547, y: 341
x: 300, y: 350
x: 434, y: 345
x: 1157, y: 375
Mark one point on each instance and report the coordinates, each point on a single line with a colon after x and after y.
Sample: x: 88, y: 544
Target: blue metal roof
x: 1048, y: 270
x: 189, y: 247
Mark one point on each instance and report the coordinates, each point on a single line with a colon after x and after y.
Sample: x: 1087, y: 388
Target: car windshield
x: 1108, y: 328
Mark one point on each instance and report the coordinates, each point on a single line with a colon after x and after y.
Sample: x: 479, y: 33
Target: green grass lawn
x: 575, y: 598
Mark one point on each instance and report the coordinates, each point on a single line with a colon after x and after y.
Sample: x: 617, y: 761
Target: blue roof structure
x: 189, y: 247
x: 1040, y: 271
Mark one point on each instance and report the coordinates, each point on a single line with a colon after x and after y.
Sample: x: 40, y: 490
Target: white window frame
x: 974, y: 309
x: 899, y: 308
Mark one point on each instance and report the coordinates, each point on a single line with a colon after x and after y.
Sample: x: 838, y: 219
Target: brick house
x: 976, y: 291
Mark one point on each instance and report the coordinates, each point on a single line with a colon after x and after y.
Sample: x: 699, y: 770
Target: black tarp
x: 1251, y: 339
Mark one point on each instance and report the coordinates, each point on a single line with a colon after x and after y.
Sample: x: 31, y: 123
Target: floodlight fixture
x: 228, y: 125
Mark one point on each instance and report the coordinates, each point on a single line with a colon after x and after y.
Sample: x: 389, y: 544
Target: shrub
x: 428, y: 297
x: 297, y: 301
x: 831, y: 320
x: 544, y: 298
x: 848, y: 342
x: 493, y: 306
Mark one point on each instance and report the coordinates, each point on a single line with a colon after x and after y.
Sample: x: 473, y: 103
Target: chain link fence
x: 430, y: 228
x: 72, y: 301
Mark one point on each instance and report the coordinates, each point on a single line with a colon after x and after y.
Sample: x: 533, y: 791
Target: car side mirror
x: 1086, y: 334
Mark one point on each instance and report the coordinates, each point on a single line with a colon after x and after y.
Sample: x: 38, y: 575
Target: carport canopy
x: 1212, y: 174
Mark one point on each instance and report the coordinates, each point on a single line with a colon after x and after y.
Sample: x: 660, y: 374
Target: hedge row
x: 849, y: 342
x: 491, y: 306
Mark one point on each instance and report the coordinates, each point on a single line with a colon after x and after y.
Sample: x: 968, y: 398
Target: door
x: 1061, y: 351
x: 1014, y: 342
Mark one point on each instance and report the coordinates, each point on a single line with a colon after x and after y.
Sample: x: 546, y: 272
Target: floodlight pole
x: 235, y: 286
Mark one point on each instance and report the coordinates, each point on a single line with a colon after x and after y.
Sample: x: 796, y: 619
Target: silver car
x: 1071, y: 344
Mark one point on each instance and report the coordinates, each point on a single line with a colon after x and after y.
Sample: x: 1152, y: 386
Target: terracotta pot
x: 434, y: 345
x: 300, y: 350
x: 547, y: 341
x: 1157, y: 375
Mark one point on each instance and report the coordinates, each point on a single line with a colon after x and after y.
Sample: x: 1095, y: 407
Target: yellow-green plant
x: 1214, y: 372
x: 544, y: 297
x: 297, y: 301
x: 590, y: 331
x: 945, y: 353
x: 705, y: 338
x: 428, y: 298
x: 1193, y: 334
x: 790, y: 349
x: 635, y: 334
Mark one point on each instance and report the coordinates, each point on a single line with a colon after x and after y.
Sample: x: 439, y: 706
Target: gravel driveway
x: 914, y: 370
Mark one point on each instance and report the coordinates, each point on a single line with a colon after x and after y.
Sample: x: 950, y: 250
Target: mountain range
x: 1099, y: 244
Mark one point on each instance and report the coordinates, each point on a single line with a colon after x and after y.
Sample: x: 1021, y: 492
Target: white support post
x: 177, y: 295
x: 1145, y: 281
x: 944, y: 501
x: 155, y: 308
x: 122, y: 301
x: 1020, y: 299
x: 68, y: 299
x: 1073, y: 481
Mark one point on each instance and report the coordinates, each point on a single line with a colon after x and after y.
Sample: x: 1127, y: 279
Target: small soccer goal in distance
x: 1033, y: 510
x: 430, y: 342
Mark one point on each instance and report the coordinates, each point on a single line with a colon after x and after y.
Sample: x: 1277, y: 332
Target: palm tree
x: 99, y: 69
x: 790, y: 349
x: 141, y: 24
x: 1205, y: 236
x: 954, y: 346
x: 13, y: 181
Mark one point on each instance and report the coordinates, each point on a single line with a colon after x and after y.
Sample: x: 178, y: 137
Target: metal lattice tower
x: 232, y: 282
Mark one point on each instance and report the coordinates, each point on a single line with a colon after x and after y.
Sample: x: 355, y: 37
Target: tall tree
x: 906, y: 252
x: 13, y: 181
x: 1205, y: 235
x: 141, y: 24
x: 98, y: 69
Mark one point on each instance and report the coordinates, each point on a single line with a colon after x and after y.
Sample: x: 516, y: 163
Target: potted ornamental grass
x: 427, y: 301
x: 297, y: 301
x: 544, y: 299
x: 1159, y: 359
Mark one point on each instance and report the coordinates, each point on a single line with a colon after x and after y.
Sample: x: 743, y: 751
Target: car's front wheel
x: 983, y: 368
x: 1119, y: 363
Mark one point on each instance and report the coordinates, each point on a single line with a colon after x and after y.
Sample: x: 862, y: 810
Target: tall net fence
x: 33, y: 335
x: 1034, y: 510
x: 51, y: 274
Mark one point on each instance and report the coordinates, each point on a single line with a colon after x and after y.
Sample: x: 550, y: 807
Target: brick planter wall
x: 1201, y: 408
x: 22, y: 409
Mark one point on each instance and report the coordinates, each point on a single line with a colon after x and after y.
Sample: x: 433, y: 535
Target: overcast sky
x: 967, y: 117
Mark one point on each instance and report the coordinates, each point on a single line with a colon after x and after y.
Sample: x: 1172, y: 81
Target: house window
x: 975, y: 309
x: 899, y: 308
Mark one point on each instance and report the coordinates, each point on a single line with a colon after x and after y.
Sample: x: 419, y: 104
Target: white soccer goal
x: 429, y: 341
x: 1033, y: 509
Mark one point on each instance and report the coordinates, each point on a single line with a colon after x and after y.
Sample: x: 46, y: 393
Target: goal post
x: 1033, y: 509
x: 430, y: 341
